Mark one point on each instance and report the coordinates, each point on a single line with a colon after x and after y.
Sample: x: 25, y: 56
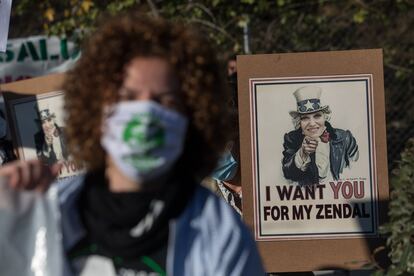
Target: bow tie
x: 325, y: 137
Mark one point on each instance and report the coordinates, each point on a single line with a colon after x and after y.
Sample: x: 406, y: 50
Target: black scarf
x: 109, y: 217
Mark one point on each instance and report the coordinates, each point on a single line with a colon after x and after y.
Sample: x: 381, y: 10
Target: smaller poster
x: 38, y: 130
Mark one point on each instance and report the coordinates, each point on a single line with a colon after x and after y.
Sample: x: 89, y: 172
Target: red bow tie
x: 325, y: 137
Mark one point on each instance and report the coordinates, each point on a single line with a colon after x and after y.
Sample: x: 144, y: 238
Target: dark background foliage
x: 273, y: 27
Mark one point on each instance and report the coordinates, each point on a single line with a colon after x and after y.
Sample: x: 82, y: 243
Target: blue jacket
x: 208, y: 238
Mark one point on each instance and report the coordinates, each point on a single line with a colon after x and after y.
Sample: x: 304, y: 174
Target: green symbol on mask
x: 144, y: 133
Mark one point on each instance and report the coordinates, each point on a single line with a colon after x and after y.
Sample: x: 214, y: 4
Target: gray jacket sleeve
x: 209, y: 238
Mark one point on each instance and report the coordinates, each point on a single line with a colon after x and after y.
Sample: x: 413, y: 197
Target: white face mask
x: 143, y: 138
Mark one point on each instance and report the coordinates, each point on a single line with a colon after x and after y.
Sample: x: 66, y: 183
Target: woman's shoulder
x: 209, y: 216
x: 69, y: 187
x: 210, y: 227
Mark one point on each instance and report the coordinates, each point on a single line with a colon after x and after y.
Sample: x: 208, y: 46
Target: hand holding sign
x: 29, y: 175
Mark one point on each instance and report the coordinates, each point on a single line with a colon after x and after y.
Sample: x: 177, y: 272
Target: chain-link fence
x: 283, y: 26
x: 337, y: 30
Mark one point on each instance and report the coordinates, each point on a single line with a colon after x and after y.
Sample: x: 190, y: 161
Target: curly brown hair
x: 98, y: 75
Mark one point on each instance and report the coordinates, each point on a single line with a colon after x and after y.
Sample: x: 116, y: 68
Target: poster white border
x: 372, y: 155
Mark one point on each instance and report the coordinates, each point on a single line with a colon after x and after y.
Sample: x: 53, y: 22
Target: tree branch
x: 153, y: 8
x: 398, y: 67
x: 214, y: 27
x: 203, y: 8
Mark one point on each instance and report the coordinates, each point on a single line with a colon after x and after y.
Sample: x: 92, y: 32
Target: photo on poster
x: 38, y: 130
x: 313, y: 138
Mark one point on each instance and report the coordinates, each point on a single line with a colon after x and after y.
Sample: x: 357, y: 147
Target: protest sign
x: 36, y: 56
x: 313, y: 156
x: 35, y: 116
x: 5, y: 8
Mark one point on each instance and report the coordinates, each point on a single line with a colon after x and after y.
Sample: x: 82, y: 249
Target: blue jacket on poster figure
x: 343, y: 147
x: 194, y: 247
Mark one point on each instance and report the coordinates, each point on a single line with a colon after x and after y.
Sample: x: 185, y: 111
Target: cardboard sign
x: 5, y: 8
x: 313, y: 157
x: 35, y: 116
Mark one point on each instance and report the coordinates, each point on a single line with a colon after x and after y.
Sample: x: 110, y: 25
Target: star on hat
x: 308, y: 100
x: 309, y: 105
x: 45, y: 114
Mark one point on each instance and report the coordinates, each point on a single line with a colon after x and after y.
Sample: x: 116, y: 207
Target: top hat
x: 45, y: 114
x: 308, y: 100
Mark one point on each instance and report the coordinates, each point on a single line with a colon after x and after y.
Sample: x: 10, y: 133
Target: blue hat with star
x: 308, y: 100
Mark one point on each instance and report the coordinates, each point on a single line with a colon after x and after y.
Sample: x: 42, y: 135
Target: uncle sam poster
x: 36, y: 119
x: 330, y: 187
x: 313, y: 155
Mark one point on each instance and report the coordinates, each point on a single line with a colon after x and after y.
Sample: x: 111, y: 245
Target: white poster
x: 313, y: 157
x: 39, y: 130
x: 5, y: 8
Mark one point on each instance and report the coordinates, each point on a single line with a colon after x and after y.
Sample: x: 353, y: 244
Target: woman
x: 145, y: 115
x: 315, y: 151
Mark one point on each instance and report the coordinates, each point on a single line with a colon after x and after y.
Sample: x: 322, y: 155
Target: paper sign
x: 343, y: 202
x: 5, y: 7
x: 313, y: 157
x: 35, y: 114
